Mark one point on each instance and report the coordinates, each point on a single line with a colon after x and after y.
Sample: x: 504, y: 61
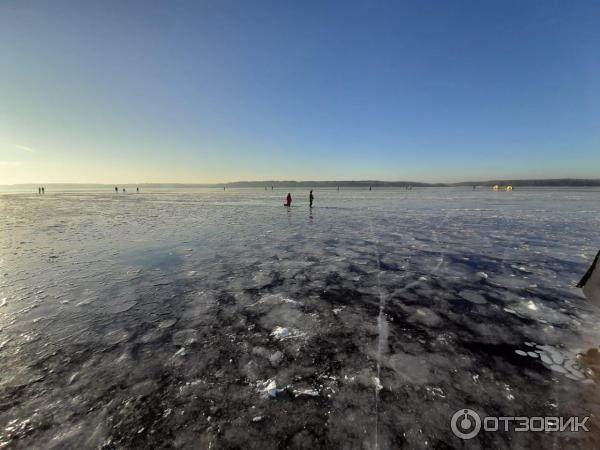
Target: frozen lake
x: 209, y: 319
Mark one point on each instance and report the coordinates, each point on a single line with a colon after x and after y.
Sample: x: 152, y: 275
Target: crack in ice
x: 382, y: 325
x: 381, y: 340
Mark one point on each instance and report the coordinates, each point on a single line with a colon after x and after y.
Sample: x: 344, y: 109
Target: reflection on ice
x: 204, y: 319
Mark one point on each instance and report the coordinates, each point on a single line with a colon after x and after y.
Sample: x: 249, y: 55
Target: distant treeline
x: 560, y: 182
x: 374, y: 183
x: 564, y: 182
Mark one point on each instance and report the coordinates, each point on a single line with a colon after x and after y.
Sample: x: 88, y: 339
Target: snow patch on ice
x: 283, y: 333
x: 305, y: 393
x: 275, y: 298
x: 377, y: 384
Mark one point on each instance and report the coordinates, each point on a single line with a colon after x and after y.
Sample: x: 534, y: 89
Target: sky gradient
x: 216, y: 91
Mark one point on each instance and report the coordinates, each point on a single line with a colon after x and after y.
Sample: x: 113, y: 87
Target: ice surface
x: 211, y: 319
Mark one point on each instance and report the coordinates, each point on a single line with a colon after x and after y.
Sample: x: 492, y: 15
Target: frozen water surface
x: 211, y: 319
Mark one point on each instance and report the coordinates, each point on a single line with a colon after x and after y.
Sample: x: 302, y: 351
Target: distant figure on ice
x: 338, y: 188
x: 43, y: 190
x: 39, y: 191
x: 123, y: 190
x: 474, y: 187
x: 223, y: 187
x: 137, y: 189
x: 288, y: 200
x: 271, y: 187
x: 370, y: 188
x: 311, y: 197
x: 116, y: 189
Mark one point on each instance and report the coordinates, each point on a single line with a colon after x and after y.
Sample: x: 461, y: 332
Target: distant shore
x: 558, y: 182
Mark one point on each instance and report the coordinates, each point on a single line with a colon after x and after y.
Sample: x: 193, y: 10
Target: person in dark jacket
x: 311, y: 197
x: 288, y: 200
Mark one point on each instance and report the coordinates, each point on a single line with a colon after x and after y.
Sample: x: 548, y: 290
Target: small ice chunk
x: 167, y: 323
x: 283, y: 333
x: 532, y: 306
x: 86, y: 301
x: 280, y: 332
x: 305, y: 393
x: 269, y: 388
x: 275, y: 298
x: 73, y: 377
x: 482, y: 275
x: 520, y: 352
x: 557, y: 368
x: 3, y: 302
x: 258, y: 419
x: 377, y: 383
x: 556, y: 356
x: 574, y: 371
x: 180, y: 352
x: 436, y: 391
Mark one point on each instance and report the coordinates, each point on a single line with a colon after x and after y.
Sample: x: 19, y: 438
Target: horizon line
x: 260, y: 183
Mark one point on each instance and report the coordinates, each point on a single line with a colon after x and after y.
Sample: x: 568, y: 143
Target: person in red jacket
x: 288, y: 200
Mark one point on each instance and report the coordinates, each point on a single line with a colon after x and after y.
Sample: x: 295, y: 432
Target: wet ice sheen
x: 211, y: 319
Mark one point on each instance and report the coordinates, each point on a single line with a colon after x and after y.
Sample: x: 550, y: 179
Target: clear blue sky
x: 208, y: 91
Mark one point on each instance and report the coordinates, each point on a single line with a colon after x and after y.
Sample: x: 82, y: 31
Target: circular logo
x: 465, y: 423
